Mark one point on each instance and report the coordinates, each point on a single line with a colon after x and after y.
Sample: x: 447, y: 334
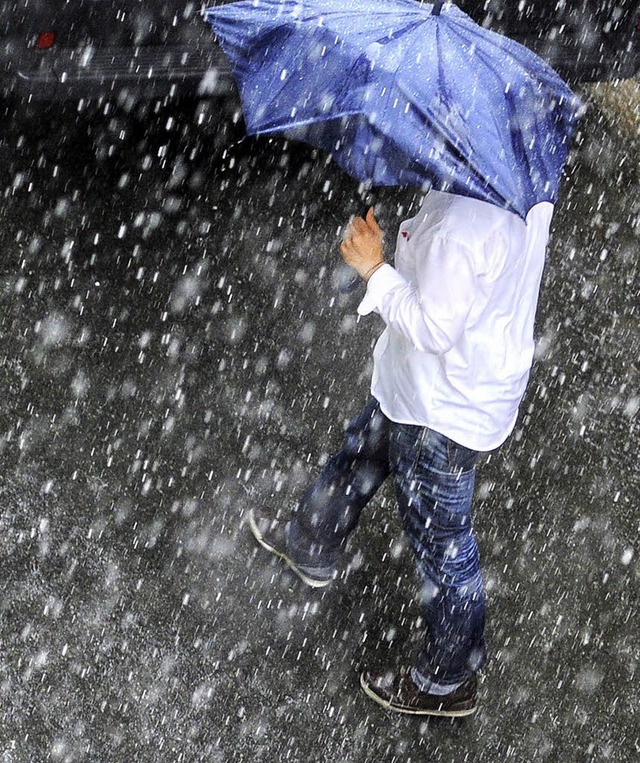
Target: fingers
x: 349, y: 233
x: 368, y: 224
x: 348, y: 229
x: 372, y: 222
x: 347, y: 246
x: 361, y: 235
x: 347, y: 251
x: 359, y: 224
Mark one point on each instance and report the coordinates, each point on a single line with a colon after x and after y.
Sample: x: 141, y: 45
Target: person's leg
x: 330, y: 508
x: 434, y: 484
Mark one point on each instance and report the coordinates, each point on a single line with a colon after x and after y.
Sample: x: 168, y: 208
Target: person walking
x: 450, y: 370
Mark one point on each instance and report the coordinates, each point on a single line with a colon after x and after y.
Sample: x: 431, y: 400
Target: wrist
x: 366, y: 276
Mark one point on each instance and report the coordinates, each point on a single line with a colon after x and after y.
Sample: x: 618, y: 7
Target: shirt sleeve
x: 432, y: 313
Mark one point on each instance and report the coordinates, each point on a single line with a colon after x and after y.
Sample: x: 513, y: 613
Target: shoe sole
x: 406, y: 711
x: 312, y: 582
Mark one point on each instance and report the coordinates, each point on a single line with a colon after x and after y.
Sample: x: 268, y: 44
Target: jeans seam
x: 420, y: 446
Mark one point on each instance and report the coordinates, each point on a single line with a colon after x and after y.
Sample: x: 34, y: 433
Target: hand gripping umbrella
x: 403, y: 93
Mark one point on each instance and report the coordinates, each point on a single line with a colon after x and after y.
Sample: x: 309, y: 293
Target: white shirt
x: 459, y: 306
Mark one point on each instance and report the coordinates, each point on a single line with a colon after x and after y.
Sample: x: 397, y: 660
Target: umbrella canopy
x: 402, y: 95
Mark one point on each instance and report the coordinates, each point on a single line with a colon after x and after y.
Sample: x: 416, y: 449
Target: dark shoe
x: 398, y: 692
x: 270, y: 534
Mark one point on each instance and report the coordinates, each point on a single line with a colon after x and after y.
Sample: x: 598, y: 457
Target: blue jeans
x: 434, y: 479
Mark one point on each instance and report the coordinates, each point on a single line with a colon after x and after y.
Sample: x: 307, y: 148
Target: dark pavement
x: 174, y: 351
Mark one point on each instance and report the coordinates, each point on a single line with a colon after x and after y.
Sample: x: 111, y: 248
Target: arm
x: 432, y: 314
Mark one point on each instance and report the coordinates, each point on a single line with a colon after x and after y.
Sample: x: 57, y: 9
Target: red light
x: 45, y: 40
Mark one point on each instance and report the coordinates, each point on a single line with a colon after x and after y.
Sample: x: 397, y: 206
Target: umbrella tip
x: 437, y: 7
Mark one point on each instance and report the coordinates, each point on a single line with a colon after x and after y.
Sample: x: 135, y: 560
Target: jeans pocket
x: 461, y: 459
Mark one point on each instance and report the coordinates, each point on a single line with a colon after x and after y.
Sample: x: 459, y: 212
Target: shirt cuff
x: 381, y: 283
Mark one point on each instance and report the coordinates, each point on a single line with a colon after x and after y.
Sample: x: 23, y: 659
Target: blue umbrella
x: 403, y: 93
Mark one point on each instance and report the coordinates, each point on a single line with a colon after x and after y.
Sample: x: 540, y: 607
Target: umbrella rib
x: 310, y: 121
x: 449, y: 135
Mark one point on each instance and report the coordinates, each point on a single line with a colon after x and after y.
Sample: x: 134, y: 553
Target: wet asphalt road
x: 174, y: 350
